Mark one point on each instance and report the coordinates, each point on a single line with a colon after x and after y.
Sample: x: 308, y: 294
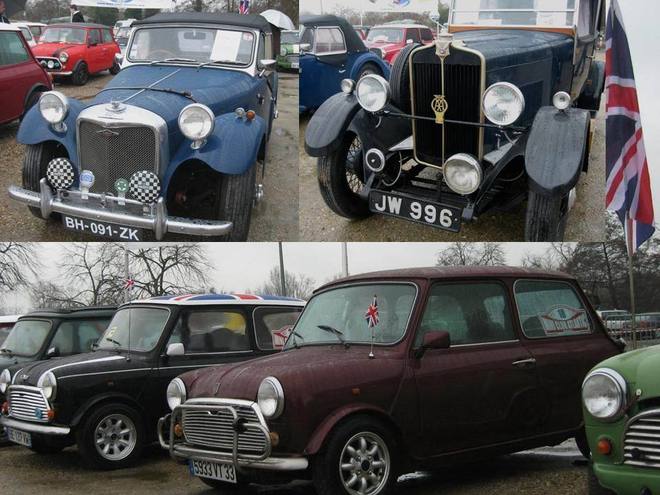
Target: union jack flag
x: 129, y: 284
x: 244, y: 7
x: 372, y: 314
x: 628, y: 190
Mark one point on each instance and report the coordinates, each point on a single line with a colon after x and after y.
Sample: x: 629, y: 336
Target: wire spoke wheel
x: 364, y: 464
x: 353, y: 163
x: 115, y: 437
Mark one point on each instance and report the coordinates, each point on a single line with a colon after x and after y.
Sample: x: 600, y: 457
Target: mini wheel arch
x: 104, y: 400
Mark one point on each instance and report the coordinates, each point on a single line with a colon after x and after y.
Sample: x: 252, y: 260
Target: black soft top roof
x: 353, y: 41
x: 87, y: 312
x: 252, y: 21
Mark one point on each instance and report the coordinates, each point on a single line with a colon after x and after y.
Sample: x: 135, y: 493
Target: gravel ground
x: 586, y: 222
x: 555, y: 470
x: 276, y: 217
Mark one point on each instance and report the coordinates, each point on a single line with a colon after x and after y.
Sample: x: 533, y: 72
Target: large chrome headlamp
x: 196, y: 121
x: 54, y: 107
x: 5, y: 380
x: 176, y: 393
x: 271, y: 397
x: 372, y: 92
x: 604, y: 394
x: 463, y: 173
x: 48, y: 385
x: 503, y: 103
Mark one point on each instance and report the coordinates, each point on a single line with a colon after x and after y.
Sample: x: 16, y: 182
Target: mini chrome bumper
x: 102, y: 207
x: 8, y: 422
x: 182, y: 451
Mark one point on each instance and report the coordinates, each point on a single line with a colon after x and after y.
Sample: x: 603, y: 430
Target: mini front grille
x: 27, y: 403
x: 641, y: 445
x: 113, y: 153
x: 214, y: 428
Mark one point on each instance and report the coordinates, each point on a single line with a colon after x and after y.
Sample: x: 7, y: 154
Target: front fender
x: 369, y: 57
x: 557, y: 148
x: 231, y: 149
x: 35, y: 130
x: 326, y: 127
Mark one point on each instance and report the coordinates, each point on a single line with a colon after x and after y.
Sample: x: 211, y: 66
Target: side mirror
x: 409, y: 41
x: 434, y: 340
x: 175, y: 350
x: 119, y: 58
x: 266, y: 64
x: 305, y: 47
x: 53, y: 352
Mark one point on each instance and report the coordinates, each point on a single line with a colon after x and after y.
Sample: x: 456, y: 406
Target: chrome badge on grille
x: 439, y: 106
x: 442, y: 45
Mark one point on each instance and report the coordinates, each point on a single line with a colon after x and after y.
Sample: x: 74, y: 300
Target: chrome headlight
x: 604, y: 394
x: 271, y: 397
x: 463, y: 173
x: 503, y: 103
x: 176, y: 393
x: 196, y: 121
x: 64, y: 56
x: 54, y: 107
x: 5, y: 380
x: 48, y: 385
x: 372, y: 92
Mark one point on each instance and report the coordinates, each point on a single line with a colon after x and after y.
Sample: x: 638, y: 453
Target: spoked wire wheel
x: 364, y: 464
x: 354, y: 163
x: 115, y: 437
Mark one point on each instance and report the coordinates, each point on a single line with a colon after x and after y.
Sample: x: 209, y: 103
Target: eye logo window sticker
x: 561, y: 319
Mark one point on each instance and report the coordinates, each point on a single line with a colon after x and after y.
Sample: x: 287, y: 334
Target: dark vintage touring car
x: 494, y: 112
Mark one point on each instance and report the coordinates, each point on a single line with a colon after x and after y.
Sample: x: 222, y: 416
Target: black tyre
x: 80, y: 75
x: 32, y: 101
x: 340, y: 176
x: 114, y: 70
x: 360, y: 457
x: 367, y: 69
x: 236, y: 198
x: 546, y: 218
x: 595, y: 488
x: 583, y: 444
x: 224, y: 487
x: 35, y: 163
x: 45, y: 445
x: 400, y: 79
x: 111, y: 437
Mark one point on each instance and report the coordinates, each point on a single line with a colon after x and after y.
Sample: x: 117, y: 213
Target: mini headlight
x: 64, y: 56
x: 604, y: 394
x: 271, y: 397
x: 48, y: 385
x: 503, y: 103
x: 176, y: 393
x: 5, y: 380
x: 196, y: 121
x: 372, y: 92
x: 463, y: 173
x: 54, y: 107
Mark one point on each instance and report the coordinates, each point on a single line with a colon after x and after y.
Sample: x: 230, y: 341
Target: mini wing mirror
x: 305, y: 47
x: 434, y: 340
x: 53, y: 352
x: 175, y: 350
x: 119, y: 58
x: 266, y: 64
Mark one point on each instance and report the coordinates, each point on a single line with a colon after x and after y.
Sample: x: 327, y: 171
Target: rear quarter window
x: 12, y: 49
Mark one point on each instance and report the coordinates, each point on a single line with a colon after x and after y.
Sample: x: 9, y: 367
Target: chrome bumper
x: 102, y: 207
x: 7, y: 422
x: 182, y: 451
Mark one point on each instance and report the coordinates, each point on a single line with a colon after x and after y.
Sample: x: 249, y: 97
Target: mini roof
x: 8, y: 27
x: 74, y: 312
x: 400, y: 25
x: 215, y: 299
x: 87, y: 25
x: 9, y: 318
x: 353, y: 41
x: 229, y: 19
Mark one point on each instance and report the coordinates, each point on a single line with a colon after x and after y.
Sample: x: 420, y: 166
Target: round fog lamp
x: 375, y: 160
x: 144, y: 186
x: 372, y: 92
x: 60, y: 173
x: 561, y: 100
x: 503, y: 103
x: 463, y: 173
x: 347, y: 86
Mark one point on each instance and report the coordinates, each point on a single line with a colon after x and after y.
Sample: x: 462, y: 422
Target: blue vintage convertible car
x: 330, y: 51
x: 171, y: 144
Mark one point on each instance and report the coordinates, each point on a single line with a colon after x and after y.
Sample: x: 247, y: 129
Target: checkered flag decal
x: 60, y: 173
x: 144, y: 186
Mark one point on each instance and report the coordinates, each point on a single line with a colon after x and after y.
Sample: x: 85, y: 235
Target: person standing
x: 3, y: 17
x: 76, y: 15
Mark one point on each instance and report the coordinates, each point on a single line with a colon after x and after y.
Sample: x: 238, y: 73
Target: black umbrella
x: 14, y: 6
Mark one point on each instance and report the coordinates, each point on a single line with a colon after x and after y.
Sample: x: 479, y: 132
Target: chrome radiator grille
x: 112, y: 153
x: 641, y: 444
x: 27, y: 403
x: 214, y: 428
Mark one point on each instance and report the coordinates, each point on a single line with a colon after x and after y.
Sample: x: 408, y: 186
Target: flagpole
x: 126, y: 275
x: 631, y: 281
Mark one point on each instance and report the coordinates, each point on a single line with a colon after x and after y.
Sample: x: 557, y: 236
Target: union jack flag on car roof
x: 233, y: 298
x: 628, y: 190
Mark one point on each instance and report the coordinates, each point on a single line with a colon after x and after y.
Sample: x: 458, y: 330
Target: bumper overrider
x: 181, y: 449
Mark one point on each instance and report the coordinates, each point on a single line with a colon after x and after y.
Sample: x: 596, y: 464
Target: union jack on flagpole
x: 129, y: 284
x: 371, y: 316
x: 628, y: 190
x: 244, y: 7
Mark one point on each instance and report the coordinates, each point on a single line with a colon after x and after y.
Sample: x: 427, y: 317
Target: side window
x: 12, y: 49
x: 272, y: 326
x: 261, y: 54
x: 413, y: 34
x: 550, y: 309
x: 471, y: 313
x: 329, y: 40
x: 93, y: 37
x: 308, y: 37
x: 76, y: 336
x: 427, y: 35
x: 107, y: 36
x: 211, y: 331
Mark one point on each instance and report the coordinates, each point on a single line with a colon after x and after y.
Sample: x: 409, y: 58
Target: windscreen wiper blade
x: 173, y: 59
x: 339, y: 334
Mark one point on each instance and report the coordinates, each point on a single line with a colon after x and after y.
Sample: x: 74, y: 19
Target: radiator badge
x: 439, y: 106
x: 442, y: 45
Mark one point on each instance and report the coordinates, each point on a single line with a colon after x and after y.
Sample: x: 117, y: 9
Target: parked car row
x: 619, y: 324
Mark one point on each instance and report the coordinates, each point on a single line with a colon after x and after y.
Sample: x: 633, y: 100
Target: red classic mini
x: 394, y: 371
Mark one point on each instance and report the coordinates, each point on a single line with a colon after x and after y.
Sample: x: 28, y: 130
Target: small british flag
x: 129, y: 284
x: 372, y: 314
x: 244, y: 7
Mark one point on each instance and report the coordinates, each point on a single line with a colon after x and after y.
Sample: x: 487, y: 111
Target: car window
x: 471, y: 313
x: 513, y: 12
x: 107, y: 36
x: 586, y: 24
x: 307, y: 36
x: 77, y: 336
x: 94, y: 37
x: 136, y: 328
x: 26, y: 338
x: 329, y: 40
x: 27, y: 34
x: 427, y: 35
x: 63, y: 35
x: 273, y: 325
x: 12, y: 50
x: 550, y: 309
x: 261, y: 53
x: 385, y: 35
x: 211, y: 331
x: 413, y: 34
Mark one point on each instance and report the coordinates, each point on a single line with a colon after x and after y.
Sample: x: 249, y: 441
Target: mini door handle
x: 524, y: 363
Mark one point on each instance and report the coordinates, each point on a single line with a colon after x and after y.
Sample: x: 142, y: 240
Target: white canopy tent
x: 127, y: 4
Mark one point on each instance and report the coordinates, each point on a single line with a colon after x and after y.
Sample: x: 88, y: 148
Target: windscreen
x: 64, y: 35
x: 143, y: 325
x: 556, y: 13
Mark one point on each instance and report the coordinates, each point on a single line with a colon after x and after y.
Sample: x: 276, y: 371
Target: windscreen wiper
x: 339, y: 334
x: 118, y: 344
x: 173, y: 59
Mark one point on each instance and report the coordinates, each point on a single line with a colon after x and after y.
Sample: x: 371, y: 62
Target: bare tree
x: 17, y: 263
x: 48, y: 295
x: 472, y: 253
x: 297, y: 285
